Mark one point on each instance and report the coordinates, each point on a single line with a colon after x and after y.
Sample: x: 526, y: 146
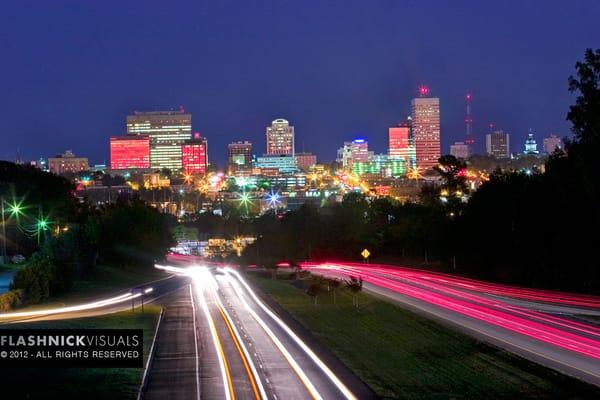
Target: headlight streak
x: 332, y: 377
x: 68, y: 309
x: 198, y: 275
x: 299, y: 372
x: 255, y: 381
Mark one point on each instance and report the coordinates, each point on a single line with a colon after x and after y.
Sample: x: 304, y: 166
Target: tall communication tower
x: 469, y: 140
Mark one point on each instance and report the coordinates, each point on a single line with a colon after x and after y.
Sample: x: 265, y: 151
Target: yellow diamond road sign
x: 365, y: 253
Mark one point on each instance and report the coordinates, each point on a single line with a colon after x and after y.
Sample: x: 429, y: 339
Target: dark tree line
x: 76, y: 237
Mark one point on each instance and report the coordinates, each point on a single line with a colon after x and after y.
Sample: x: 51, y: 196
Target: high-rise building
x: 344, y: 156
x: 425, y: 113
x: 360, y: 150
x: 129, y: 152
x: 239, y: 158
x: 280, y: 138
x: 194, y: 155
x: 460, y: 150
x: 497, y: 144
x: 530, y: 144
x: 401, y: 143
x: 469, y: 139
x: 67, y: 162
x: 551, y: 143
x: 167, y: 131
x: 306, y: 160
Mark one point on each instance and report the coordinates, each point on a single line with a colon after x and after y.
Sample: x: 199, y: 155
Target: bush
x: 34, y: 278
x: 11, y: 299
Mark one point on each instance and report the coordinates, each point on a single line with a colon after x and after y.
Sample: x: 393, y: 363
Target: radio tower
x: 469, y: 140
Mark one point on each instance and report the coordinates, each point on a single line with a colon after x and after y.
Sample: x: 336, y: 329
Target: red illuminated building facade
x: 194, y: 155
x: 129, y: 152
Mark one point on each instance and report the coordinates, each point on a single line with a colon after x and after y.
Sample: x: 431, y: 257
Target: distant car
x: 18, y: 259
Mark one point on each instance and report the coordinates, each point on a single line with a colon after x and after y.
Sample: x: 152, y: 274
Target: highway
x: 247, y: 351
x: 120, y: 301
x: 216, y: 340
x: 542, y: 326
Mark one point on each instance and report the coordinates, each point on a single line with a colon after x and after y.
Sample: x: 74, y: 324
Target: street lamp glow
x: 42, y: 224
x: 273, y: 199
x: 16, y: 208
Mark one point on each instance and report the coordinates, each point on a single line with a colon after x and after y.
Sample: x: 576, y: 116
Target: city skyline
x: 329, y: 99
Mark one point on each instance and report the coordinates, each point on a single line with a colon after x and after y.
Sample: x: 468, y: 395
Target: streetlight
x: 41, y: 225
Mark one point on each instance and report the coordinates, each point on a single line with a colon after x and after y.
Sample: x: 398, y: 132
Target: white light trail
x: 202, y: 278
x: 80, y: 307
x: 307, y: 383
x: 261, y: 389
x: 332, y: 377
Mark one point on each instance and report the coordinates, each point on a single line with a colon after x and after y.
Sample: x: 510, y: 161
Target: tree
x: 585, y: 117
x: 334, y: 284
x: 315, y: 288
x: 355, y: 286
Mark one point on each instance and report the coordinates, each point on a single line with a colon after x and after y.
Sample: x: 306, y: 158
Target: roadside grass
x: 81, y: 383
x: 402, y: 355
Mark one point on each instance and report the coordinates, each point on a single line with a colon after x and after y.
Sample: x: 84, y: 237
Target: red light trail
x: 479, y: 300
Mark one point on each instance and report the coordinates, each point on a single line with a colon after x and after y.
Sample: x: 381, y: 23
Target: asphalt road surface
x: 174, y: 372
x: 246, y: 351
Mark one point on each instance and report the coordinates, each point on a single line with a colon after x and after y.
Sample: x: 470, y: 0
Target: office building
x: 552, y: 143
x: 306, y: 160
x: 283, y: 164
x: 497, y: 144
x: 67, y: 163
x: 280, y: 138
x: 425, y: 112
x: 460, y: 150
x: 194, y: 155
x: 401, y: 143
x: 360, y: 150
x: 167, y: 130
x: 239, y: 158
x: 127, y: 152
x: 381, y: 165
x: 344, y: 156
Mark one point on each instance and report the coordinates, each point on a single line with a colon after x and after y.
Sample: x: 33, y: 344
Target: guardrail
x: 150, y: 359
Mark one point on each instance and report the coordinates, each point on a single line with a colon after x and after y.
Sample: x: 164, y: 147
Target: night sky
x: 70, y: 72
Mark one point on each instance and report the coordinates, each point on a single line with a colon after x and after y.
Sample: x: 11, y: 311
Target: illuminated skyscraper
x: 129, y: 152
x: 360, y: 150
x: 497, y: 144
x: 194, y: 155
x: 401, y: 143
x: 239, y: 158
x: 167, y: 131
x: 425, y: 113
x: 280, y: 138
